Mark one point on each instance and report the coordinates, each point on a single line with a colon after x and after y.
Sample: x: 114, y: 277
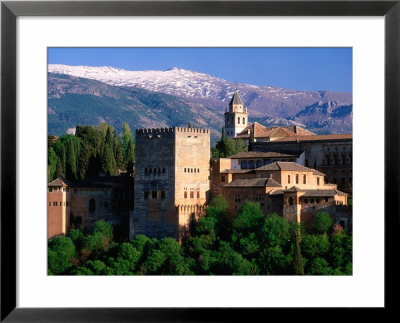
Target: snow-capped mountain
x: 262, y: 101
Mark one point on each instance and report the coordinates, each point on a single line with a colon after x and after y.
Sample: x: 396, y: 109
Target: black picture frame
x: 10, y: 10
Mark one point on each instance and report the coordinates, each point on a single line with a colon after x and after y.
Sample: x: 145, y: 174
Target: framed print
x: 34, y: 34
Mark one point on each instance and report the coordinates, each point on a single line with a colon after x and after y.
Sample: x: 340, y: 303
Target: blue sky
x: 309, y: 69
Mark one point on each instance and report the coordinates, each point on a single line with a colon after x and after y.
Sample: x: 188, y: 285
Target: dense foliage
x: 226, y: 147
x: 251, y: 244
x: 90, y: 151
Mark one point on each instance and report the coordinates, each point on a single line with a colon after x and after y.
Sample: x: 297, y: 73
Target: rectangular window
x: 297, y: 178
x: 60, y: 203
x: 288, y: 179
x: 185, y: 194
x: 54, y: 203
x: 222, y: 178
x: 191, y: 194
x: 317, y: 180
x: 154, y: 194
x: 304, y: 179
x: 163, y: 194
x: 49, y: 203
x: 198, y: 194
x: 146, y: 195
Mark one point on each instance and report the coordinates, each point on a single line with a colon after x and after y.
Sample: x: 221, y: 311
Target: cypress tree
x: 251, y: 140
x: 63, y: 159
x: 108, y: 161
x: 126, y: 135
x: 129, y: 153
x: 109, y: 140
x: 71, y: 161
x: 223, y: 138
x: 59, y: 171
x: 221, y: 144
x: 83, y: 160
x: 119, y: 159
x: 298, y: 259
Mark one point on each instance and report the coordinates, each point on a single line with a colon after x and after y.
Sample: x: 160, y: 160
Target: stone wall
x: 172, y: 170
x: 58, y: 213
x: 331, y: 157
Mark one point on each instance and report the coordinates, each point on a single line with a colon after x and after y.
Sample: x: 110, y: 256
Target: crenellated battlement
x: 156, y: 131
x: 193, y: 130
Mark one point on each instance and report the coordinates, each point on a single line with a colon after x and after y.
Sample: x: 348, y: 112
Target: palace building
x: 330, y: 154
x: 289, y: 189
x: 291, y: 171
x: 171, y: 180
x: 83, y: 202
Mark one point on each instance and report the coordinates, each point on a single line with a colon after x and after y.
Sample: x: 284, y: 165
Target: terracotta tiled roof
x: 289, y: 166
x: 294, y: 189
x: 102, y: 181
x: 238, y: 171
x: 317, y: 137
x: 60, y: 182
x: 299, y: 131
x: 322, y: 193
x: 259, y: 154
x: 261, y: 131
x: 253, y: 182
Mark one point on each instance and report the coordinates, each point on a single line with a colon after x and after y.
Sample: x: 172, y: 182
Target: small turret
x: 236, y: 117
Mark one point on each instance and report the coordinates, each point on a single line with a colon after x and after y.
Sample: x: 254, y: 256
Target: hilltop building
x: 83, y: 202
x: 171, y: 180
x: 288, y: 172
x: 330, y: 154
x: 289, y: 189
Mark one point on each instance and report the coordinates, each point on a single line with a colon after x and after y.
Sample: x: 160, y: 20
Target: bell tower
x: 236, y: 117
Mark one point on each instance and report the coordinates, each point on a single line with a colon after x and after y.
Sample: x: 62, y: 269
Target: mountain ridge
x: 263, y: 102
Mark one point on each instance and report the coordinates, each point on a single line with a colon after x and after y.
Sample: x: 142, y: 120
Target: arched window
x: 258, y: 163
x: 290, y: 200
x: 92, y: 205
x: 243, y: 164
x: 251, y: 164
x: 267, y: 162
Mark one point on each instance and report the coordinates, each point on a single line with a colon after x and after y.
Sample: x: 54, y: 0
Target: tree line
x: 91, y: 150
x: 226, y: 147
x: 251, y: 244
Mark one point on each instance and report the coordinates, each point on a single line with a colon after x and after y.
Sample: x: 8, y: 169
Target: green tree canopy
x: 322, y: 222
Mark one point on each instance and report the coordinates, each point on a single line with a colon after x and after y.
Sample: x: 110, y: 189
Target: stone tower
x: 236, y: 118
x: 171, y: 180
